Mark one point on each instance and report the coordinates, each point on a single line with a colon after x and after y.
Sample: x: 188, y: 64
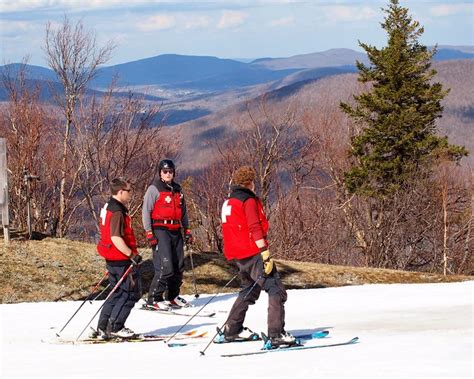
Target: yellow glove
x: 267, y: 261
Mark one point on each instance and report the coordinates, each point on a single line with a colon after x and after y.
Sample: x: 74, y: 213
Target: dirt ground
x: 60, y: 269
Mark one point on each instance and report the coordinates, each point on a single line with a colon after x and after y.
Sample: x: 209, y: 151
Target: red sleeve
x: 253, y: 220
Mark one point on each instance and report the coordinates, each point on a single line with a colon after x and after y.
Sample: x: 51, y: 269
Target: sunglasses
x: 167, y: 171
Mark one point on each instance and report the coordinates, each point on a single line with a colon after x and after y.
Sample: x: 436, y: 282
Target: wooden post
x: 4, y: 190
x: 27, y: 179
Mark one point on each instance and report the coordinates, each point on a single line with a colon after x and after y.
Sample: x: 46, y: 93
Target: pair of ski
x: 183, y: 311
x: 192, y: 334
x: 299, y: 345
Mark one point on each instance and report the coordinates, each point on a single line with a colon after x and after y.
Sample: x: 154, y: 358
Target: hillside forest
x: 410, y: 206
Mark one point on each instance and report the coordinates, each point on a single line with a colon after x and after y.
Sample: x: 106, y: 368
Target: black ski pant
x: 118, y: 306
x: 253, y: 280
x: 168, y: 261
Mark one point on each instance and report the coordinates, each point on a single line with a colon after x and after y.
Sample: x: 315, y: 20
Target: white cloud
x: 20, y: 26
x: 84, y: 5
x: 442, y: 10
x: 231, y: 19
x: 157, y: 22
x: 283, y: 21
x: 271, y: 2
x: 346, y: 13
x: 196, y: 22
x: 28, y: 5
x: 12, y: 29
x: 21, y: 5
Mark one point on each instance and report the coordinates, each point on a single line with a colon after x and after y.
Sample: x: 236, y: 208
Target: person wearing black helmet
x: 165, y: 219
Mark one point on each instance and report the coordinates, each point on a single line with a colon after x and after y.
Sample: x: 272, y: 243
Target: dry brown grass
x: 59, y: 269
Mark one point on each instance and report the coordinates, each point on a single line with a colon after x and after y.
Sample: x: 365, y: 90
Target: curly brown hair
x: 244, y: 175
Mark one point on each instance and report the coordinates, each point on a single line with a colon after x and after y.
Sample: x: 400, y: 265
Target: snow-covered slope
x: 405, y: 330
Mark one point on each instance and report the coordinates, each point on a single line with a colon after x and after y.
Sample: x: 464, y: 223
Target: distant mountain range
x: 190, y: 72
x: 329, y: 58
x: 190, y: 87
x: 211, y: 74
x: 48, y: 87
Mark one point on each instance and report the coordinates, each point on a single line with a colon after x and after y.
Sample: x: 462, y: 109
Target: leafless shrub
x: 29, y: 129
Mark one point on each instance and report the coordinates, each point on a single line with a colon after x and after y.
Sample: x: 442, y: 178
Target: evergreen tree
x: 399, y: 139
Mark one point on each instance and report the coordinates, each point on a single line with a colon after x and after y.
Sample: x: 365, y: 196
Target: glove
x: 267, y: 261
x: 188, y: 237
x: 152, y: 241
x: 136, y: 259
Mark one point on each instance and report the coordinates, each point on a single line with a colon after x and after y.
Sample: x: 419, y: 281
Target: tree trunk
x: 444, y: 195
x: 62, y: 189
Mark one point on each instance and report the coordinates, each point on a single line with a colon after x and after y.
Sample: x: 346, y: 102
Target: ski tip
x: 176, y: 344
x: 317, y: 334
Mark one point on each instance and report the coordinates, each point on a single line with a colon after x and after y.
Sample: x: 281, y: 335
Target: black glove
x: 188, y: 237
x: 136, y: 259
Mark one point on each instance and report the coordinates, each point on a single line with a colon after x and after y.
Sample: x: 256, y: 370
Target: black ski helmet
x: 166, y: 164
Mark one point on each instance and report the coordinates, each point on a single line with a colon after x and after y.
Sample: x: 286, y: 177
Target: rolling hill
x: 457, y: 121
x: 204, y: 94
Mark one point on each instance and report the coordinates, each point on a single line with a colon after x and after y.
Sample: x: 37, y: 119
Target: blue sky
x: 226, y: 28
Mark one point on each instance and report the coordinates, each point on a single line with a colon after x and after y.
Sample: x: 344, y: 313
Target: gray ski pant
x: 253, y: 281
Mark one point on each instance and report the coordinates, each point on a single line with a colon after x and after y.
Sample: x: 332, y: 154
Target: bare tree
x: 453, y: 191
x: 206, y: 193
x: 72, y: 53
x: 263, y: 137
x: 269, y: 140
x: 118, y: 137
x: 297, y: 218
x: 467, y: 255
x: 28, y: 127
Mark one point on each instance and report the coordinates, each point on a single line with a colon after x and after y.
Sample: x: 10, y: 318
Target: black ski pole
x: 107, y: 298
x: 100, y: 294
x: 253, y: 286
x: 219, y: 330
x: 196, y: 294
x: 87, y: 298
x: 200, y: 309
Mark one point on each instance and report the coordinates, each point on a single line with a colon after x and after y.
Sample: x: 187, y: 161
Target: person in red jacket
x: 119, y: 248
x: 244, y: 230
x: 165, y: 220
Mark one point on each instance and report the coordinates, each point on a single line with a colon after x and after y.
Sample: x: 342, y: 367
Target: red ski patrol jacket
x: 168, y: 208
x: 243, y: 223
x: 105, y: 247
